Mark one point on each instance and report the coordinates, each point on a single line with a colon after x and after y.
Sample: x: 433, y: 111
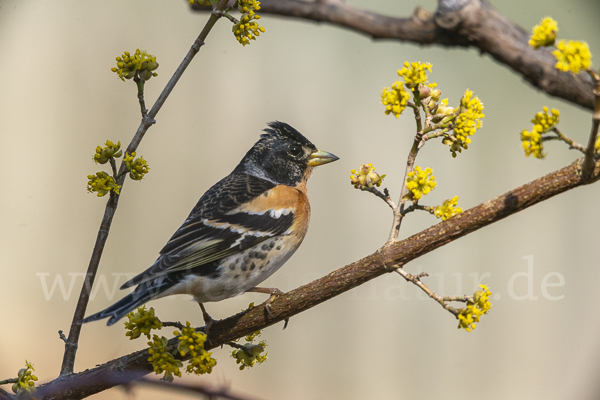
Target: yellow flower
x: 247, y: 5
x: 543, y: 122
x: 544, y: 34
x: 414, y: 73
x: 532, y: 143
x: 394, y: 99
x: 247, y: 29
x: 480, y: 305
x: 466, y: 122
x: 141, y: 322
x: 366, y: 177
x: 447, y: 209
x: 141, y: 63
x: 252, y: 353
x: 25, y: 383
x: 420, y: 182
x: 102, y: 183
x: 137, y: 167
x: 162, y: 360
x: 200, y: 2
x: 103, y: 154
x: 469, y: 120
x: 572, y: 56
x: 598, y: 144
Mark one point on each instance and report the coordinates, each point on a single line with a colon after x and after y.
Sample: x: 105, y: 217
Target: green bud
x: 436, y: 94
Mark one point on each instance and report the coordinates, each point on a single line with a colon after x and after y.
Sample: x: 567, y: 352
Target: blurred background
x: 383, y: 340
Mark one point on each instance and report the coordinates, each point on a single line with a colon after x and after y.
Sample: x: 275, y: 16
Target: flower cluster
x: 141, y: 322
x: 192, y: 342
x: 414, y: 73
x: 365, y: 177
x: 102, y: 183
x: 394, y: 99
x: 447, y: 209
x: 466, y: 123
x: 248, y: 29
x: 572, y: 56
x: 419, y: 183
x: 542, y: 122
x: 137, y: 167
x: 141, y: 64
x: 251, y: 353
x: 103, y: 154
x: 479, y: 305
x: 544, y: 34
x: 25, y: 384
x: 162, y: 360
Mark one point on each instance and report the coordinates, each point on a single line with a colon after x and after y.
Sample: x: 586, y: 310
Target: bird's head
x: 283, y: 155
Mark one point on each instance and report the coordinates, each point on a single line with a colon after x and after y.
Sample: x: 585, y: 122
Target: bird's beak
x: 320, y: 157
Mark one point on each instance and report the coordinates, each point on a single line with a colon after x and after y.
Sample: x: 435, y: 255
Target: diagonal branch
x: 71, y: 343
x: 465, y: 23
x: 385, y: 259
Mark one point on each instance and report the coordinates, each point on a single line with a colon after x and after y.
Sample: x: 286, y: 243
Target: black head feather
x: 280, y: 156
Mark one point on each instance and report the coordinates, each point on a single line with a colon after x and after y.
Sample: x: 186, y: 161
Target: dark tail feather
x: 139, y: 296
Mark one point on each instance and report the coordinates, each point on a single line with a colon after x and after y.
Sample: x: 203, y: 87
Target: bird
x: 242, y: 230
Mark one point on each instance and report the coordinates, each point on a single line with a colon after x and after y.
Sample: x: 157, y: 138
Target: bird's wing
x: 235, y: 214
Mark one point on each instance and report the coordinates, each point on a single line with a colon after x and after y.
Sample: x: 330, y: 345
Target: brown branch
x: 111, y: 206
x: 385, y: 259
x: 467, y: 23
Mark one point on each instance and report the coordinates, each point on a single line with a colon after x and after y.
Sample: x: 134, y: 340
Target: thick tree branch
x: 385, y: 259
x: 465, y: 23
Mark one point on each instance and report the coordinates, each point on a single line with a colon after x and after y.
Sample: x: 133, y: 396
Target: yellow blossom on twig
x: 414, y: 73
x: 192, y: 342
x: 394, y: 99
x: 544, y: 34
x: 103, y: 154
x: 140, y: 322
x: 419, y: 183
x: 25, y: 384
x: 140, y: 62
x: 137, y: 167
x: 366, y: 177
x: 162, y: 360
x: 250, y: 354
x: 543, y: 122
x: 102, y: 183
x: 468, y: 316
x: 447, y: 209
x: 572, y: 56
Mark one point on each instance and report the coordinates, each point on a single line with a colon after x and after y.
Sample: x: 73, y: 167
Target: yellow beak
x: 320, y: 157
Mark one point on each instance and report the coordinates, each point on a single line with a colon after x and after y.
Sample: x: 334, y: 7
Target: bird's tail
x: 142, y: 294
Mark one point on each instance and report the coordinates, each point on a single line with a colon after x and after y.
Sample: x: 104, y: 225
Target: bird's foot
x: 208, y: 320
x: 274, y: 292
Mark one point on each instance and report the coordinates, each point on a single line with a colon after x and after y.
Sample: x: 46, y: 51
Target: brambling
x: 240, y: 232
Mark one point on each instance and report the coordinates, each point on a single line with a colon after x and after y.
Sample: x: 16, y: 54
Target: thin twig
x: 560, y: 136
x: 177, y: 325
x: 111, y: 206
x: 587, y: 167
x: 410, y: 162
x: 416, y: 279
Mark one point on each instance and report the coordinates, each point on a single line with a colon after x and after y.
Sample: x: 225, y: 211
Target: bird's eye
x: 295, y: 151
